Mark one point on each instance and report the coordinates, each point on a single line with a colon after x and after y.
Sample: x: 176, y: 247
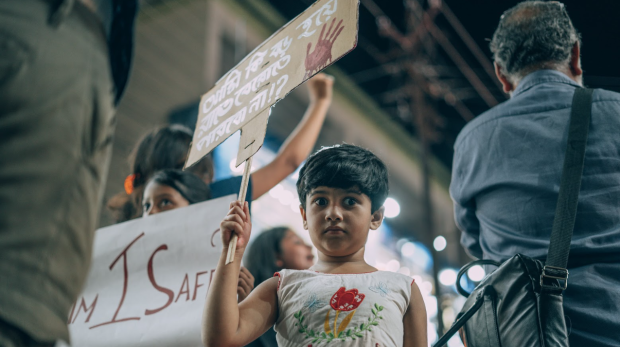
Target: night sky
x: 597, y: 20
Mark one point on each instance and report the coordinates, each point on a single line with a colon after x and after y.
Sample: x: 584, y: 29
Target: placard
x: 315, y: 39
x: 149, y: 279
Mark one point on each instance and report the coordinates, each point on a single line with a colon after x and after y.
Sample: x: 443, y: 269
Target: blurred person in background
x: 171, y: 189
x: 273, y: 250
x: 508, y: 165
x: 167, y: 148
x: 63, y: 67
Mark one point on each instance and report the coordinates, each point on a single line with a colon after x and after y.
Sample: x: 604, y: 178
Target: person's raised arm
x: 414, y: 322
x: 224, y: 322
x: 299, y: 144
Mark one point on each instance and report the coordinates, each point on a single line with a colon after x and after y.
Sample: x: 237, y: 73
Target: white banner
x: 149, y: 279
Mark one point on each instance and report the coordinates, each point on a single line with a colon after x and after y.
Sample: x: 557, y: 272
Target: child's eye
x: 349, y: 201
x: 164, y: 203
x: 146, y: 207
x: 320, y: 201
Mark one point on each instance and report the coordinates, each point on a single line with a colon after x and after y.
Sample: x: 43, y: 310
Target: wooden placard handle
x: 232, y: 246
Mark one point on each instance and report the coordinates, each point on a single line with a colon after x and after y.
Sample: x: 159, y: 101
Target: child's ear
x: 303, y: 216
x: 377, y: 218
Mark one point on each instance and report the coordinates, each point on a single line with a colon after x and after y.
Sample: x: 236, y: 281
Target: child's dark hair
x: 344, y: 166
x: 161, y: 149
x: 263, y: 253
x: 192, y: 188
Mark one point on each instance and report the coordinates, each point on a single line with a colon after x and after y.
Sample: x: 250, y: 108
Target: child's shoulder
x: 395, y: 276
x: 287, y: 277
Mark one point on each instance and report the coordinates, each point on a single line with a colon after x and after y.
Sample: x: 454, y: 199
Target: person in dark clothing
x: 61, y: 75
x: 508, y: 164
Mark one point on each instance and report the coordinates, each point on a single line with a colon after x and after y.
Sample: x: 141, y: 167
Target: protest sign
x: 149, y: 279
x: 241, y: 99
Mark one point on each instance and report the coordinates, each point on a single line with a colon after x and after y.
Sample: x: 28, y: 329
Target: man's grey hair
x: 531, y: 36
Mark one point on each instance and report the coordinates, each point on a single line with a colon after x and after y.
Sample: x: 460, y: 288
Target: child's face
x: 159, y: 198
x: 295, y: 253
x: 339, y: 220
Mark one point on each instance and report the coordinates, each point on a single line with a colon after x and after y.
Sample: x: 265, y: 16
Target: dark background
x: 597, y: 21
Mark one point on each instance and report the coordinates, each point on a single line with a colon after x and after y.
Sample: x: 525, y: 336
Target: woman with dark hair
x: 167, y: 148
x: 171, y: 189
x: 161, y: 149
x: 273, y: 250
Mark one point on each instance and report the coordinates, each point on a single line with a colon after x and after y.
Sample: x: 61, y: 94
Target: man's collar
x: 542, y: 76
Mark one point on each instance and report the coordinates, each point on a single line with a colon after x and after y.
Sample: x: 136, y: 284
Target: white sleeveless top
x: 341, y: 309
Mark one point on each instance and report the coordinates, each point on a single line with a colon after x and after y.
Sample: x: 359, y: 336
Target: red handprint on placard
x: 322, y: 54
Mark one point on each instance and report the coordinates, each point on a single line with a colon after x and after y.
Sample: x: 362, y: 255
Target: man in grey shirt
x: 508, y: 164
x: 63, y: 67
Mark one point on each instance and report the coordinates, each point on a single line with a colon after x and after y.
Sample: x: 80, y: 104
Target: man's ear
x: 303, y: 216
x: 506, y: 83
x: 575, y: 60
x: 377, y: 218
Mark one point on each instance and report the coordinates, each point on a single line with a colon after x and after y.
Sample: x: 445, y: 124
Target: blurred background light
x: 393, y: 265
x: 432, y: 332
x: 392, y: 208
x: 430, y: 302
x: 455, y: 341
x: 408, y: 249
x: 476, y: 273
x: 440, y: 243
x: 447, y: 277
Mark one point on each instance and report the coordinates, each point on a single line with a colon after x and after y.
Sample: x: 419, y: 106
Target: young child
x: 341, y: 299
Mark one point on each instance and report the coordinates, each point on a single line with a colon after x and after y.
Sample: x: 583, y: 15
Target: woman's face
x: 159, y: 198
x: 296, y: 254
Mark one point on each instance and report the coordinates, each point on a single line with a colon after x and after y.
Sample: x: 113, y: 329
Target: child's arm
x: 224, y: 322
x: 299, y: 144
x: 414, y: 321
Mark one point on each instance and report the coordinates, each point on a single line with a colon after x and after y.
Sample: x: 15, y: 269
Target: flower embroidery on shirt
x: 346, y: 300
x: 342, y: 301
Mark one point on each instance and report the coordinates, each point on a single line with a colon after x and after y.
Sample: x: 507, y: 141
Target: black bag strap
x: 566, y: 209
x: 468, y: 266
x: 486, y: 295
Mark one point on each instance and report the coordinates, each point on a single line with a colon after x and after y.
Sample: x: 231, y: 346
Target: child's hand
x: 245, y: 284
x: 237, y: 221
x: 321, y: 86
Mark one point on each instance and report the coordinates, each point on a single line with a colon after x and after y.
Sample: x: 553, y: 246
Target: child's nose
x: 333, y: 213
